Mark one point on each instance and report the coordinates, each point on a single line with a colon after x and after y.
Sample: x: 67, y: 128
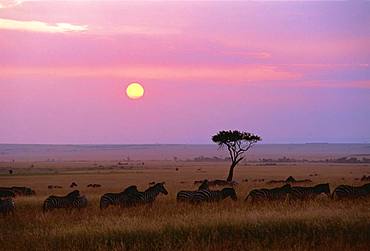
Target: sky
x: 291, y: 72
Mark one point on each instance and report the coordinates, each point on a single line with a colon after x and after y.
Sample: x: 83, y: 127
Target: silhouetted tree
x: 237, y: 143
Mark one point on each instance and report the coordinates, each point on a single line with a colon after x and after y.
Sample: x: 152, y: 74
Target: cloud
x: 249, y: 54
x: 10, y: 3
x: 362, y: 84
x: 136, y: 30
x: 246, y: 73
x: 37, y: 26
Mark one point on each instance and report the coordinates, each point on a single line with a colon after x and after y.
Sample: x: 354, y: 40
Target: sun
x: 135, y: 91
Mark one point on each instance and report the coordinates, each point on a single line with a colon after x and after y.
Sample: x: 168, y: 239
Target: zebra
x: 351, y: 192
x: 66, y: 202
x: 117, y: 198
x: 204, y: 185
x: 25, y: 191
x: 302, y: 193
x: 7, y: 206
x: 206, y: 195
x: 262, y: 194
x: 186, y: 196
x: 148, y: 196
x: 6, y: 193
x: 80, y: 202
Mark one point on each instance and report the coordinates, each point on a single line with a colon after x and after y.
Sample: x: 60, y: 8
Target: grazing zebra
x: 80, y: 202
x: 117, y: 198
x: 186, y: 196
x: 263, y: 194
x: 148, y: 196
x: 66, y: 202
x: 6, y: 193
x: 7, y: 206
x: 351, y: 192
x: 302, y: 193
x: 207, y: 195
x: 204, y: 185
x: 25, y: 191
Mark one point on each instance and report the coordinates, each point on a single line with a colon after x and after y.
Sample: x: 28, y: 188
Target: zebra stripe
x: 117, y: 199
x: 53, y: 202
x: 263, y: 194
x: 206, y: 195
x: 80, y: 202
x: 149, y: 195
x: 204, y: 185
x: 303, y: 193
x: 187, y: 196
x: 7, y: 206
x: 345, y: 191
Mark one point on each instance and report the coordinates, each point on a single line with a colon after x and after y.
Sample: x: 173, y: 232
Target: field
x: 322, y: 224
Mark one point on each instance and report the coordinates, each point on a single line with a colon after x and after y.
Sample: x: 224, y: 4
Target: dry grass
x: 322, y: 224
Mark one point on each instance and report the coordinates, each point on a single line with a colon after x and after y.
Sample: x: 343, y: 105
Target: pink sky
x: 288, y: 71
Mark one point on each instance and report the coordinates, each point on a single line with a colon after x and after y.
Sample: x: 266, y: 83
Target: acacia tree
x: 237, y: 143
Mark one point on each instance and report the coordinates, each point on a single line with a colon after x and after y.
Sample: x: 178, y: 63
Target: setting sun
x: 135, y: 91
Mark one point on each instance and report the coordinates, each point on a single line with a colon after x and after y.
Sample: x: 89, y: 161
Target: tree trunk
x: 231, y: 172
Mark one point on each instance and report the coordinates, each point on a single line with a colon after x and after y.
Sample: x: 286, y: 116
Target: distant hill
x: 9, y: 152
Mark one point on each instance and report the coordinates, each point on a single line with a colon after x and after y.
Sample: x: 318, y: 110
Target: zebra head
x: 75, y: 193
x: 204, y: 185
x: 228, y: 191
x: 160, y: 188
x: 366, y: 187
x: 322, y: 188
x: 286, y: 188
x: 29, y: 191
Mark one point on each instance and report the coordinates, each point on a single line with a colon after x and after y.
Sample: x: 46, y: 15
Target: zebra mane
x: 75, y: 193
x: 204, y: 185
x: 287, y: 186
x: 154, y: 187
x: 130, y: 189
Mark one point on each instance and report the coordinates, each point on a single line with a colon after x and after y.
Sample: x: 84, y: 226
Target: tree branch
x: 240, y: 159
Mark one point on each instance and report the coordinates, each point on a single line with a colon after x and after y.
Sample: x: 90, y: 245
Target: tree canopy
x: 237, y: 144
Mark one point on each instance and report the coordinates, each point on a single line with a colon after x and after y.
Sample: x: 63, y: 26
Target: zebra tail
x: 246, y: 199
x: 44, y: 207
x: 333, y: 195
x: 102, y: 206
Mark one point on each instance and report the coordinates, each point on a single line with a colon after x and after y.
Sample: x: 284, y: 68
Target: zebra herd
x: 71, y: 200
x: 204, y: 194
x: 131, y: 196
x: 287, y: 192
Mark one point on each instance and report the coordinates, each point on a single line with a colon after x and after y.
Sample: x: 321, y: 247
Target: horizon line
x: 133, y: 144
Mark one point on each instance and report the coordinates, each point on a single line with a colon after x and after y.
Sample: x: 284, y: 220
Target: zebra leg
x: 69, y: 209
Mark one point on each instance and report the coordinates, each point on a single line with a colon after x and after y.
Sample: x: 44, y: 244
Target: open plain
x: 321, y: 224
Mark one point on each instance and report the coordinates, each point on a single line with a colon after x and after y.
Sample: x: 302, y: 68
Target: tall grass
x: 322, y: 224
x: 167, y: 225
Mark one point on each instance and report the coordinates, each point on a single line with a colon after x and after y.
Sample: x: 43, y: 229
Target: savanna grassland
x: 321, y: 224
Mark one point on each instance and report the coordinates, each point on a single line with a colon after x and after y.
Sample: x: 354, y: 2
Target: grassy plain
x: 322, y: 224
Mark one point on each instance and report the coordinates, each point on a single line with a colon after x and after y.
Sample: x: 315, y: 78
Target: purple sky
x: 288, y: 71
